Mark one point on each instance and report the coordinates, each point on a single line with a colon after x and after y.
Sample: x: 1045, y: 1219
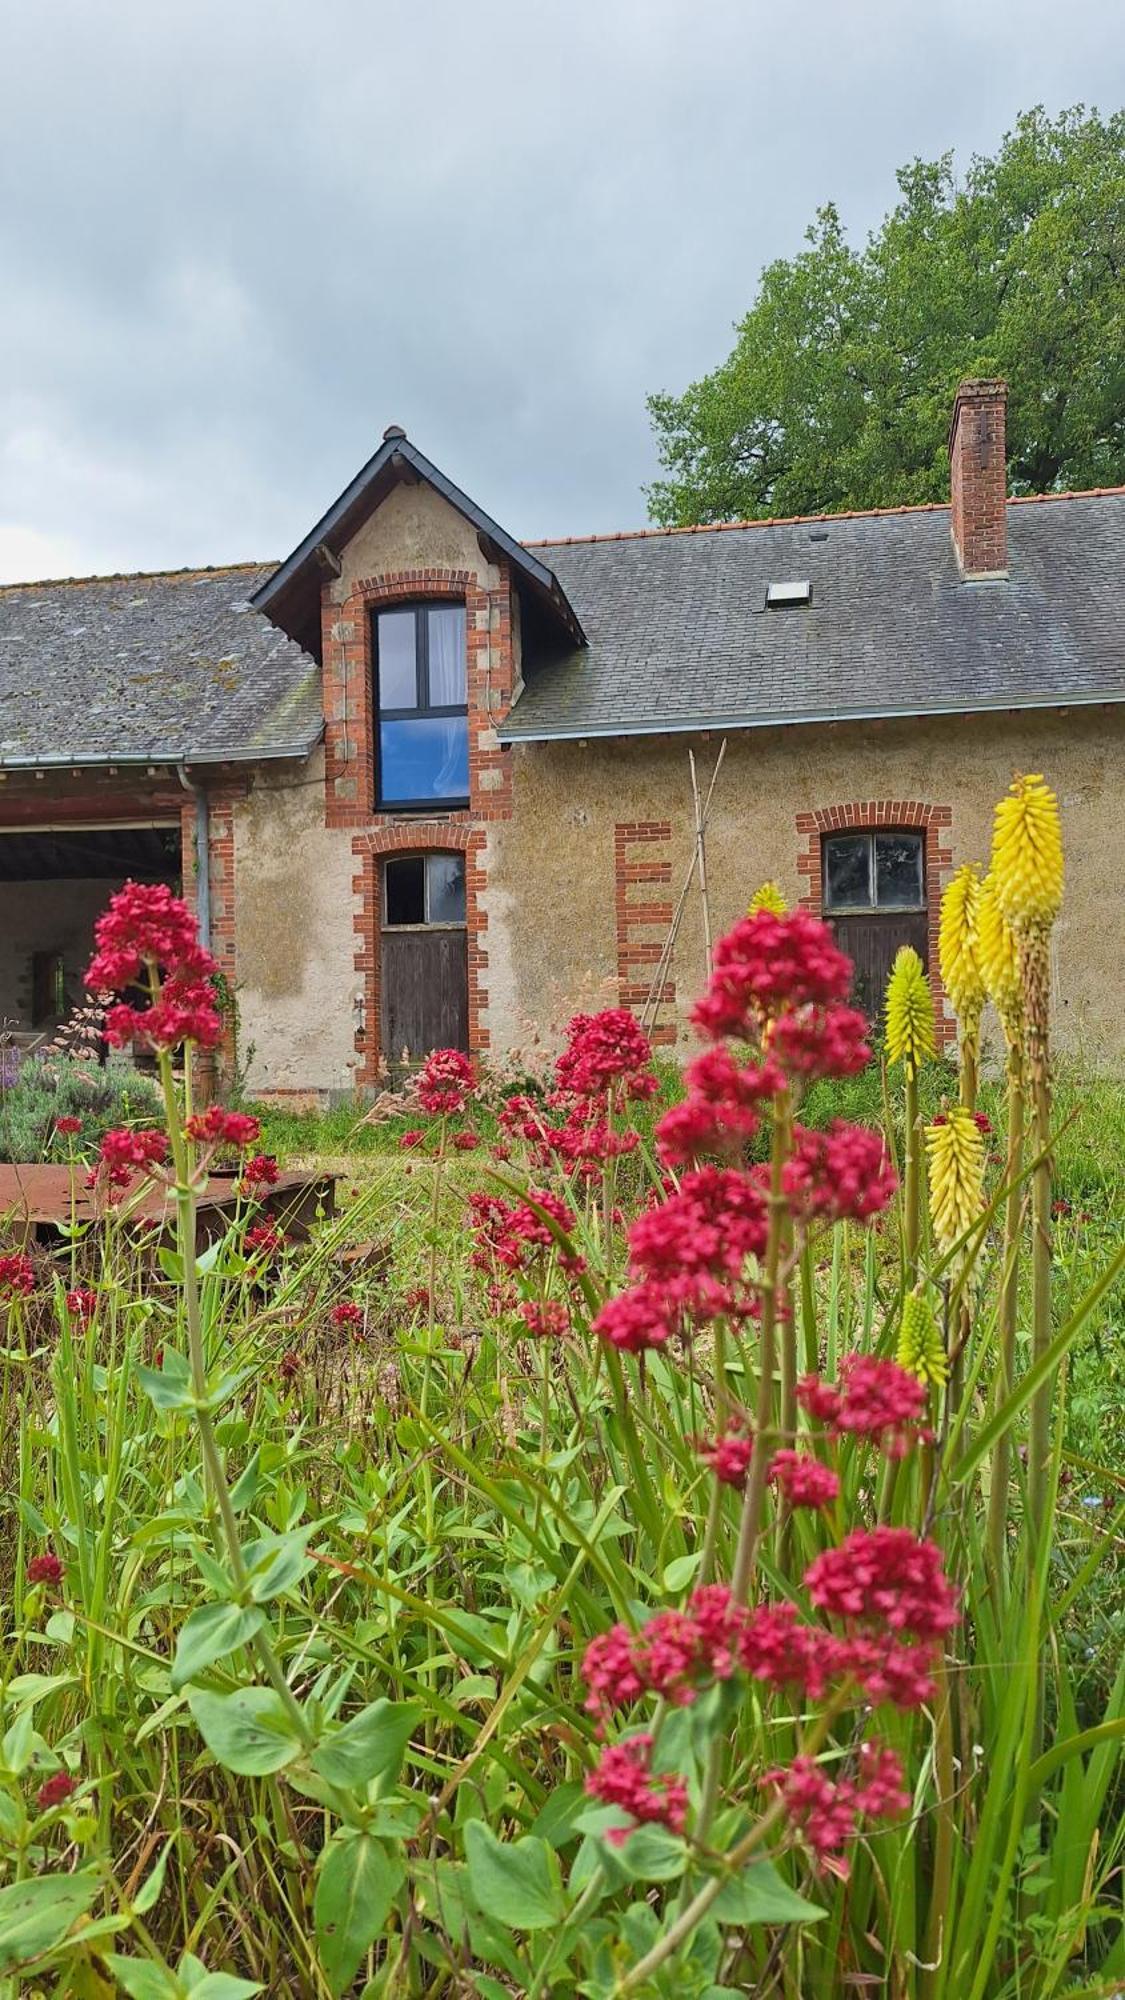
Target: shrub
x: 53, y: 1086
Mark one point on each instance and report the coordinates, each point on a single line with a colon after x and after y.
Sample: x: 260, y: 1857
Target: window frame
x: 874, y: 908
x: 425, y: 856
x: 421, y: 606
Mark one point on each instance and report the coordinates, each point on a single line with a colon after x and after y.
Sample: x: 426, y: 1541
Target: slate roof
x: 679, y: 637
x: 163, y: 668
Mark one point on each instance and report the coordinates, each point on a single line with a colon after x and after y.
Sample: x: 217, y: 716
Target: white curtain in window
x: 448, y: 679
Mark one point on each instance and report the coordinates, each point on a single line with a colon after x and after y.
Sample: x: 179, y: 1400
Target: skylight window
x: 779, y: 596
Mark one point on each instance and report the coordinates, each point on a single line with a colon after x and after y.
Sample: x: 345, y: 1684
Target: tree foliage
x: 839, y: 389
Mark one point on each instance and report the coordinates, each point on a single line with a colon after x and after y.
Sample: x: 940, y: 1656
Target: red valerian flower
x: 624, y: 1777
x: 264, y: 1239
x: 767, y: 963
x: 68, y: 1127
x: 445, y: 1082
x: 819, y: 1398
x: 825, y: 1809
x: 289, y: 1366
x: 143, y: 925
x: 803, y: 1480
x: 880, y: 1400
x: 720, y: 1113
x: 729, y: 1457
x: 673, y: 1655
x: 408, y: 1140
x: 260, y: 1172
x: 17, y: 1273
x: 888, y: 1578
x: 844, y: 1172
x: 347, y: 1313
x: 45, y: 1568
x: 821, y: 1041
x: 547, y: 1319
x: 123, y: 1155
x: 642, y: 1316
x: 216, y: 1127
x: 82, y: 1303
x: 715, y: 1220
x: 417, y: 1299
x: 828, y: 1810
x: 603, y: 1050
x: 55, y: 1791
x: 465, y: 1142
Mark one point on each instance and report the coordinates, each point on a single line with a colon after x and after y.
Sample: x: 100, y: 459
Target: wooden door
x: 871, y: 939
x: 425, y: 987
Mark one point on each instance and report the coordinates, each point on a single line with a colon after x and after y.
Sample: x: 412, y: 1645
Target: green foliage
x: 51, y: 1087
x: 839, y: 389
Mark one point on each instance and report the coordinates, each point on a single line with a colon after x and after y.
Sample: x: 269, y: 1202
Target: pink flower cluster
x: 445, y: 1083
x: 146, y: 930
x: 875, y: 1399
x: 843, y: 1172
x: 347, y: 1313
x: 258, y: 1174
x: 216, y: 1127
x: 606, y: 1052
x: 17, y: 1273
x: 509, y: 1237
x: 729, y: 1456
x: 828, y: 1810
x: 122, y: 1155
x: 721, y: 1112
x: 624, y: 1777
x: 767, y: 963
x: 887, y: 1587
x: 82, y: 1304
x: 804, y: 1480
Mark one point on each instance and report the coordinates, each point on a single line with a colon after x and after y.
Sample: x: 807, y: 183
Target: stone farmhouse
x: 428, y: 785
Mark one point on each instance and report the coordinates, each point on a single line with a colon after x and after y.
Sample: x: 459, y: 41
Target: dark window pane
x: 847, y: 872
x: 898, y: 871
x: 398, y: 673
x: 424, y: 760
x: 448, y: 674
x: 406, y: 891
x: 445, y: 877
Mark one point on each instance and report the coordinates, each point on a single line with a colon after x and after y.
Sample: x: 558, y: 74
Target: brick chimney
x: 978, y: 479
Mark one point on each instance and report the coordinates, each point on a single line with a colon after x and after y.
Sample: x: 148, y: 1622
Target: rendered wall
x: 554, y: 933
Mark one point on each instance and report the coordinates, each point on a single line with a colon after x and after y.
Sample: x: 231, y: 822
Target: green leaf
x: 195, y: 1979
x: 18, y: 1744
x: 516, y: 1882
x: 276, y: 1563
x: 211, y: 1632
x: 248, y: 1732
x: 679, y: 1572
x: 36, y: 1916
x: 369, y: 1745
x: 245, y: 1489
x: 357, y: 1882
x: 149, y: 1892
x: 761, y: 1896
x: 169, y: 1386
x: 651, y: 1854
x: 141, y: 1979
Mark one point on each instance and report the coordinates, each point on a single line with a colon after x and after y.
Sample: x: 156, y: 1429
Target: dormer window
x: 421, y: 683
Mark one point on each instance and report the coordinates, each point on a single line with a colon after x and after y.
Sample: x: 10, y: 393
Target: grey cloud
x: 236, y: 240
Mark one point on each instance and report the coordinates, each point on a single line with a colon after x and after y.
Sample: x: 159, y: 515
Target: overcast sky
x: 239, y: 237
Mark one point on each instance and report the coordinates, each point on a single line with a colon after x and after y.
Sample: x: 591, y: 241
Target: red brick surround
x: 350, y: 769
x: 935, y: 821
x: 642, y: 926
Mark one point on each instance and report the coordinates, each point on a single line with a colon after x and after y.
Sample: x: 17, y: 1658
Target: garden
x: 655, y: 1533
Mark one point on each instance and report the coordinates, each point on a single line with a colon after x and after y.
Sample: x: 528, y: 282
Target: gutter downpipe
x: 202, y: 855
x: 204, y: 1064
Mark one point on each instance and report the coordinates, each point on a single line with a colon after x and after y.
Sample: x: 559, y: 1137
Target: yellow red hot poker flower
x: 1027, y: 856
x: 955, y: 1146
x: 910, y: 1012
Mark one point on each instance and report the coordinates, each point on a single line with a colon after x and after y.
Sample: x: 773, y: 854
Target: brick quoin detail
x: 642, y: 922
x: 862, y: 815
x: 220, y: 806
x: 350, y: 769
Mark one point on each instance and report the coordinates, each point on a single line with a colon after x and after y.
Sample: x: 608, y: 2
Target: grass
x: 345, y: 1753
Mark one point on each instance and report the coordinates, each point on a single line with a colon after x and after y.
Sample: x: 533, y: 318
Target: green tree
x: 839, y: 389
